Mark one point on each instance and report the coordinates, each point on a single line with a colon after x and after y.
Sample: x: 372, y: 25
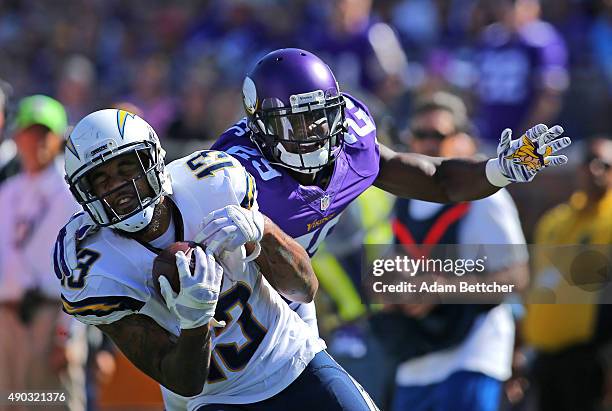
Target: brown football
x: 165, y: 264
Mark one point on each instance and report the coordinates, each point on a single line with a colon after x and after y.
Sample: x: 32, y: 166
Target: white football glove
x: 520, y: 160
x: 230, y: 227
x: 65, y: 252
x: 195, y: 304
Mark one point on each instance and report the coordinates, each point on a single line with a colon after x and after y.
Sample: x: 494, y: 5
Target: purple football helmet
x: 295, y: 110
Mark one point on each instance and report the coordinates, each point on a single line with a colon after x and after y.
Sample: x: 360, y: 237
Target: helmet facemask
x: 152, y: 170
x: 304, y: 137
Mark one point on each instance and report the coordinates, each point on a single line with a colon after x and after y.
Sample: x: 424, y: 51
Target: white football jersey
x: 263, y: 347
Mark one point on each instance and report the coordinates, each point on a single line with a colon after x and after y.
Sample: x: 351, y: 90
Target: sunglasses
x: 422, y: 134
x: 598, y: 162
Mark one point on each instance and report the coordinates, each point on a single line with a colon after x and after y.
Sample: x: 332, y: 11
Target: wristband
x: 494, y: 174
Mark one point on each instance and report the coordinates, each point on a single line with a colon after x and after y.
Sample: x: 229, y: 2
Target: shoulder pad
x: 210, y: 172
x: 238, y: 134
x: 361, y: 125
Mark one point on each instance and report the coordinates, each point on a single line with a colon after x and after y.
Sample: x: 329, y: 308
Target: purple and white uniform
x: 308, y: 213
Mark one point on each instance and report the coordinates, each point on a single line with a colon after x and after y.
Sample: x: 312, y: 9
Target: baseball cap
x: 43, y: 110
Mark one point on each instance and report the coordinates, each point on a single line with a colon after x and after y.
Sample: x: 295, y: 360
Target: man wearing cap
x: 456, y: 356
x: 34, y: 204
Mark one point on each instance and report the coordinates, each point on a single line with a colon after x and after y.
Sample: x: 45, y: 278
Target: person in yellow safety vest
x: 569, y: 331
x: 366, y: 221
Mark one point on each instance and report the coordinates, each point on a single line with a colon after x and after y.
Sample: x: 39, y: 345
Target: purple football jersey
x: 308, y: 213
x: 513, y: 68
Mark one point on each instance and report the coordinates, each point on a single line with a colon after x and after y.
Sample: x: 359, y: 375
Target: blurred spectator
x: 469, y: 346
x: 142, y: 44
x: 601, y: 41
x: 419, y: 23
x: 129, y: 107
x: 9, y: 163
x: 191, y: 123
x: 101, y: 364
x: 573, y: 20
x: 35, y: 204
x: 568, y: 371
x: 75, y: 87
x: 343, y: 41
x: 151, y: 92
x: 522, y: 62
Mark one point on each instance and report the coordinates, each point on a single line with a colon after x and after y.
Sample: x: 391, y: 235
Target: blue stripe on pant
x: 322, y: 386
x: 461, y: 391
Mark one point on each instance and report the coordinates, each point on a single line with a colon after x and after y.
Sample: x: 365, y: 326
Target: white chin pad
x: 315, y: 159
x: 139, y: 220
x: 323, y: 156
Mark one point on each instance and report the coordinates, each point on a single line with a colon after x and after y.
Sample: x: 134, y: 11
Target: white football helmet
x: 101, y: 136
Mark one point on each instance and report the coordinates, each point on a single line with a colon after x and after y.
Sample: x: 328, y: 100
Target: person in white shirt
x: 34, y: 204
x: 464, y: 370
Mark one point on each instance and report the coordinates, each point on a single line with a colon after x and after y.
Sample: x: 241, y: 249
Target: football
x: 165, y: 264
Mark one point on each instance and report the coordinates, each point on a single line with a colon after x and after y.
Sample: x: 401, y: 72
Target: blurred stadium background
x: 181, y: 63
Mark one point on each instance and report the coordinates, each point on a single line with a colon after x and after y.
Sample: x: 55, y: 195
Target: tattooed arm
x: 286, y: 265
x: 178, y: 363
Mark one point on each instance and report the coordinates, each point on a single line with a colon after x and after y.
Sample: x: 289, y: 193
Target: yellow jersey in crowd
x: 554, y: 326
